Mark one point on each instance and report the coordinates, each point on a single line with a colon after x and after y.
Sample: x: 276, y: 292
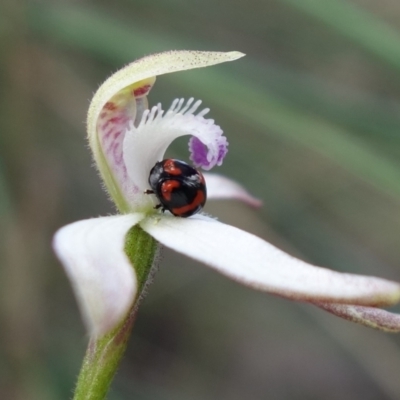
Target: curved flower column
x: 109, y: 259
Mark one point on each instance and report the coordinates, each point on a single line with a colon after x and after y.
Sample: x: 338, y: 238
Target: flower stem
x: 104, y: 354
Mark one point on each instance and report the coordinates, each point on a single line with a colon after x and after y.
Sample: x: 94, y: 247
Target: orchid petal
x: 103, y: 278
x: 121, y: 100
x: 256, y: 263
x: 368, y: 316
x: 221, y: 187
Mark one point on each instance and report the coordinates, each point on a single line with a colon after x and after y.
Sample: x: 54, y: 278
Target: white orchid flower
x: 102, y: 258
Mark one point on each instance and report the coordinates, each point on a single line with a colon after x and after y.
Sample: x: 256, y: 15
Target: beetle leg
x: 160, y: 206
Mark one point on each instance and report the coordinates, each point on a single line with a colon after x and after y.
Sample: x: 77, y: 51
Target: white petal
x: 140, y: 71
x: 368, y: 316
x: 221, y: 187
x: 92, y: 253
x: 256, y: 263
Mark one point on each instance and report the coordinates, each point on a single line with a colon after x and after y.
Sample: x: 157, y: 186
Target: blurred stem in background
x: 356, y: 24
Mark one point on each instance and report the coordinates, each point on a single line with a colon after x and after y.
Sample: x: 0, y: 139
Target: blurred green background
x: 312, y: 117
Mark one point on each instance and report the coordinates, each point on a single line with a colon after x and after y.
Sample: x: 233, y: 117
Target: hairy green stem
x: 104, y: 354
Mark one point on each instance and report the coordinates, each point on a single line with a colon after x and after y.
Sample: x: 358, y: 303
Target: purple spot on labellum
x: 207, y: 157
x: 198, y: 152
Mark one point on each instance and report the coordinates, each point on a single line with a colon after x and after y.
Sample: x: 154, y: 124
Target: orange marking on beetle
x: 168, y: 187
x: 198, y: 200
x: 171, y: 168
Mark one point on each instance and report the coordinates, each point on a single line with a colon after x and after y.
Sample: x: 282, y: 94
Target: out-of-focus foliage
x: 312, y: 116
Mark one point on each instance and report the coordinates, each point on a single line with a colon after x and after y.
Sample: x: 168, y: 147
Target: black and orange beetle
x: 180, y: 188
